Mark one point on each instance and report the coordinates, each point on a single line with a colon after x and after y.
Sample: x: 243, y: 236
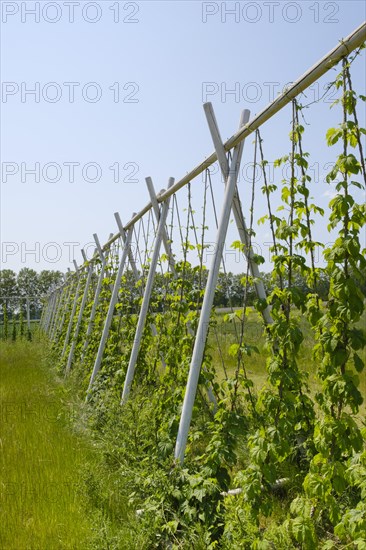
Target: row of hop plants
x: 16, y: 328
x: 298, y: 460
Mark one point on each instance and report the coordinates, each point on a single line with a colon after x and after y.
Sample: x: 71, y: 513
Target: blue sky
x: 163, y: 59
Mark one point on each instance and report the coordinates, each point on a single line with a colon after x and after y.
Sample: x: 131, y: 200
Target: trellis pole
x: 237, y: 210
x: 146, y: 299
x: 73, y: 311
x: 112, y: 305
x: 50, y: 311
x: 61, y: 291
x: 203, y: 325
x: 41, y: 321
x: 130, y: 253
x: 64, y: 290
x: 47, y: 309
x: 169, y: 253
x: 42, y: 316
x: 69, y: 288
x: 156, y: 209
x: 103, y: 259
x: 135, y: 271
x: 44, y: 313
x: 57, y: 293
x: 81, y: 311
x: 107, y: 270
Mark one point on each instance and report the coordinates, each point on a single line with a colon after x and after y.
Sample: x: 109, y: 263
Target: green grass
x: 42, y: 507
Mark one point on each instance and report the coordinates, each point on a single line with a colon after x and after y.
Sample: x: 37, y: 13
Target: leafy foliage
x: 297, y: 459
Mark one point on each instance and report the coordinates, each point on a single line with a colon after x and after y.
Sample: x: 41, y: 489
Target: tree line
x: 15, y: 288
x: 230, y: 290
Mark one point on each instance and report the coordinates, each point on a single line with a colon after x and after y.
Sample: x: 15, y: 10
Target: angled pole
x: 103, y: 259
x: 203, y: 325
x: 69, y: 287
x: 41, y: 321
x: 61, y: 298
x: 64, y: 296
x: 73, y: 311
x: 59, y: 292
x: 146, y: 299
x: 81, y: 311
x: 169, y: 253
x: 112, y: 305
x: 44, y: 313
x: 107, y: 269
x: 52, y: 305
x: 237, y: 210
x: 47, y: 312
x: 136, y: 273
x: 165, y: 238
x: 131, y: 259
x: 55, y: 311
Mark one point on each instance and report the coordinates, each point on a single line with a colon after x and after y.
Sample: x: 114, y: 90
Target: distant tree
x: 48, y: 280
x: 28, y: 286
x: 8, y: 288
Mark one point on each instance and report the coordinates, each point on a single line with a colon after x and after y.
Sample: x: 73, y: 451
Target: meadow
x: 41, y: 456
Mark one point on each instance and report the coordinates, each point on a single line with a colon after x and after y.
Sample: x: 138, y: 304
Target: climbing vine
x: 276, y: 465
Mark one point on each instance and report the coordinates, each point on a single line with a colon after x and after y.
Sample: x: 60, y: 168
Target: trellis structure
x: 71, y: 311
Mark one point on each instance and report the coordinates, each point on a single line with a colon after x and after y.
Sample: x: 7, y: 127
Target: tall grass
x: 40, y: 457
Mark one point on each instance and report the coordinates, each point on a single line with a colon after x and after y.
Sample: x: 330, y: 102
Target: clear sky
x: 118, y: 89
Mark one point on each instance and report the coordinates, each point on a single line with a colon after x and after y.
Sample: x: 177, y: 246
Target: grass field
x: 41, y: 458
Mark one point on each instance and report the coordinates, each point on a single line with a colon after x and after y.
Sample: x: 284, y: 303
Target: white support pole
x: 146, y: 299
x: 61, y: 291
x: 41, y: 321
x: 155, y: 206
x: 203, y: 325
x: 123, y: 237
x: 47, y: 312
x: 54, y: 312
x: 81, y: 312
x: 66, y: 289
x: 107, y: 270
x: 103, y: 259
x: 44, y: 313
x: 167, y: 247
x: 50, y: 312
x: 74, y: 306
x: 112, y: 305
x: 60, y: 322
x: 168, y: 250
x: 42, y: 317
x: 237, y: 210
x: 136, y: 273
